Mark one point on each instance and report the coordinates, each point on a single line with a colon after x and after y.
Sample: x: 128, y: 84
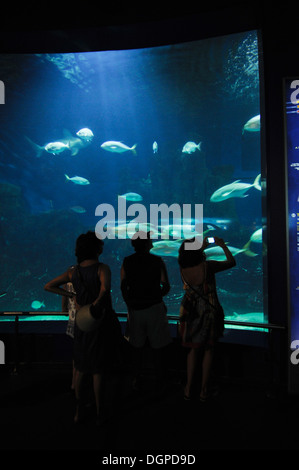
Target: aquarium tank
x: 173, y: 124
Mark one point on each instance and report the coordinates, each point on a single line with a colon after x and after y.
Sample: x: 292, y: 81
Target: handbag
x: 90, y: 317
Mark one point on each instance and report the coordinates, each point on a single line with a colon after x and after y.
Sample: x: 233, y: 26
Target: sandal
x: 187, y: 398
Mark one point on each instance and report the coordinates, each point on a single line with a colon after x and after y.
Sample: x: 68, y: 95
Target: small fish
x: 85, y: 134
x: 36, y: 304
x: 235, y: 189
x: 132, y: 197
x: 253, y: 125
x: 78, y: 209
x: 117, y: 147
x: 190, y: 147
x: 2, y: 294
x: 77, y: 180
x: 56, y: 147
x: 155, y: 147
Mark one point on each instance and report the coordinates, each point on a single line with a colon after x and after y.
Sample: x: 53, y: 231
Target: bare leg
x: 78, y: 383
x: 74, y: 378
x: 97, y: 388
x: 206, y: 370
x: 191, y: 367
x: 137, y: 364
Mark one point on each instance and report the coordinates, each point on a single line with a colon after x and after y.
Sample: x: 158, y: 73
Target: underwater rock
x: 12, y: 203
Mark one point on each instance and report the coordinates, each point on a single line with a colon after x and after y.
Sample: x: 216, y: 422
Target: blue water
x: 203, y: 91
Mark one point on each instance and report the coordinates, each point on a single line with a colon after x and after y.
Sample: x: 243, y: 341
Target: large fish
x: 253, y: 125
x: 257, y: 237
x: 117, y: 147
x: 128, y: 229
x: 166, y: 248
x: 216, y: 253
x: 74, y: 144
x: 251, y: 317
x: 180, y: 230
x: 77, y: 180
x: 235, y: 189
x: 56, y: 147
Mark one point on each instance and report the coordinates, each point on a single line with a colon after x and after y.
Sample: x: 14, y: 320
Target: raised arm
x: 228, y: 263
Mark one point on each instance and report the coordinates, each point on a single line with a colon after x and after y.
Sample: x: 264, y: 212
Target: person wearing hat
x: 94, y: 336
x: 144, y: 283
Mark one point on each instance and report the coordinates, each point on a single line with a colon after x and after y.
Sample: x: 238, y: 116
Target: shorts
x: 151, y: 323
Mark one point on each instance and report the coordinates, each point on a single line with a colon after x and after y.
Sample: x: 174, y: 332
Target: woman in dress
x: 93, y: 350
x: 201, y: 315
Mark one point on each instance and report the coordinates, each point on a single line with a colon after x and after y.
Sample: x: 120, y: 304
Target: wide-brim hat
x: 85, y: 321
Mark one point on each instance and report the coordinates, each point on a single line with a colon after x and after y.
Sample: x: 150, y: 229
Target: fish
x: 216, y: 253
x: 235, y: 189
x: 253, y: 125
x: 214, y: 223
x: 128, y: 229
x: 56, y: 147
x: 190, y: 147
x: 257, y: 237
x: 166, y: 248
x: 155, y: 147
x: 36, y: 304
x: 74, y: 144
x: 180, y: 230
x: 78, y: 209
x: 77, y: 180
x: 251, y: 317
x: 117, y: 147
x: 85, y: 134
x: 132, y: 197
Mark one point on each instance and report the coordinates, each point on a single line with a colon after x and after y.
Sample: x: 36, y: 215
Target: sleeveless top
x: 143, y: 276
x: 86, y: 283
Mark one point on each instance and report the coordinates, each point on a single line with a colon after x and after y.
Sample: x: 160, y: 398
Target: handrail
x: 266, y: 326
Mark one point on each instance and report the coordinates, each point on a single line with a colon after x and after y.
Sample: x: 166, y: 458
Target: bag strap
x: 197, y: 293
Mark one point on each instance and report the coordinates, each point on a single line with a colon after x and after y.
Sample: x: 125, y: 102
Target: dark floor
x: 37, y: 407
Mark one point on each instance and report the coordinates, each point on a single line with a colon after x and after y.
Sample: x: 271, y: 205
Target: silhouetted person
x: 201, y: 315
x: 93, y: 350
x: 144, y: 283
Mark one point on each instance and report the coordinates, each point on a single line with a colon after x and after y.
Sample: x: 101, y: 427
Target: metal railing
x: 173, y: 318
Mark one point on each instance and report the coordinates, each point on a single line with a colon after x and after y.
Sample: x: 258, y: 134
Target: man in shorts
x: 144, y: 283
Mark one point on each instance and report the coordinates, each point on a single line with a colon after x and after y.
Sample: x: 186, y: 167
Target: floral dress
x: 201, y: 315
